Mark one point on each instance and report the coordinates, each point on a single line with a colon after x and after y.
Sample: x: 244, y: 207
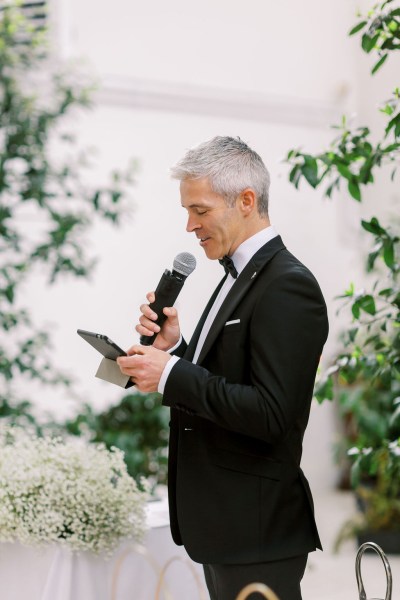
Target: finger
x: 149, y: 324
x: 130, y: 363
x: 148, y: 312
x: 172, y: 314
x: 151, y: 297
x: 125, y: 362
x: 137, y: 349
x: 144, y: 331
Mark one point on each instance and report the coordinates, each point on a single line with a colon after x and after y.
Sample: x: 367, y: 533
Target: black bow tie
x: 228, y: 265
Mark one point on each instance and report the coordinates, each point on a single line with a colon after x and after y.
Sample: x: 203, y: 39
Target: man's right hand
x: 169, y: 334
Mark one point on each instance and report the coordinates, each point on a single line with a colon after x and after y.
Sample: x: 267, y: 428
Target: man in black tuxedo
x: 240, y: 392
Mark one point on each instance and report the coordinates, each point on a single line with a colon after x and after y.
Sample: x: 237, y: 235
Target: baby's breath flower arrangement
x: 66, y: 491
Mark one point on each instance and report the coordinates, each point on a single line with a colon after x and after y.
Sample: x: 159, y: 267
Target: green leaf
x: 324, y: 390
x: 368, y: 42
x: 116, y: 196
x: 335, y: 184
x: 355, y: 309
x: 357, y: 28
x: 379, y: 63
x: 387, y: 109
x: 367, y: 304
x: 295, y: 175
x: 373, y: 226
x: 95, y: 200
x: 355, y: 473
x: 344, y: 171
x: 392, y: 147
x: 354, y: 190
x: 386, y: 292
x: 9, y: 293
x: 352, y: 334
x: 388, y: 253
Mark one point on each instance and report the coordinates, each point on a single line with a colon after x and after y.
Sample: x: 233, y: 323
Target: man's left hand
x: 144, y: 365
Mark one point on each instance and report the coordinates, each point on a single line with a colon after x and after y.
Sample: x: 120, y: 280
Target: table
x: 55, y: 573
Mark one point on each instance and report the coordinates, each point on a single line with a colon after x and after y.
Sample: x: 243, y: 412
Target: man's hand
x: 170, y: 332
x: 144, y: 365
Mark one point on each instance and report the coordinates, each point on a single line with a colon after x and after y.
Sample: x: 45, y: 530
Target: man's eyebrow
x: 196, y: 206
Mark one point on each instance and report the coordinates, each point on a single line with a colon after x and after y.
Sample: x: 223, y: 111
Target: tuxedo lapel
x: 245, y: 280
x: 195, y: 337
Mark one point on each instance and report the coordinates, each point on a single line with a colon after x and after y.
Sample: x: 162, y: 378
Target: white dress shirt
x: 240, y: 258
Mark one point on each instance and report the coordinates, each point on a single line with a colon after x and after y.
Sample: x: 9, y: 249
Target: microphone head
x: 184, y: 263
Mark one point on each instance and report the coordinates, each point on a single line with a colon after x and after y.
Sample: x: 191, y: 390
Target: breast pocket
x: 232, y: 326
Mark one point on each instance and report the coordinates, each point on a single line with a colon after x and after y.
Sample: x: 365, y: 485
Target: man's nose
x: 192, y: 224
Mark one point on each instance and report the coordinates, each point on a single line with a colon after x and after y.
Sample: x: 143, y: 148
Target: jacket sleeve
x: 180, y: 350
x: 287, y: 330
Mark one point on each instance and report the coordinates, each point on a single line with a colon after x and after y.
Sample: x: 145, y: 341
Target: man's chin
x: 210, y: 254
x: 211, y: 251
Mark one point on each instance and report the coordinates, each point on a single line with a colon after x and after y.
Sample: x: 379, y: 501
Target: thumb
x: 172, y: 314
x: 137, y: 349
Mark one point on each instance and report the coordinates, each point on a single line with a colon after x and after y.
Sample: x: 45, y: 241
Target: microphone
x: 168, y: 289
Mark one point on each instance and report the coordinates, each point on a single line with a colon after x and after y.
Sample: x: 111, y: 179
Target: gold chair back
x: 257, y: 587
x: 389, y: 580
x: 142, y: 551
x: 200, y: 587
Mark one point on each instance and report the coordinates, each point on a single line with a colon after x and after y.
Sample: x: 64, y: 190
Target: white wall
x: 176, y: 74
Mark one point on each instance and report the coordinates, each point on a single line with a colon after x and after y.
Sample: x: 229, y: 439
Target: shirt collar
x: 249, y: 247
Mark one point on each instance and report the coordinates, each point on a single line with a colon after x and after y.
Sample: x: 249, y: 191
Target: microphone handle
x: 166, y: 293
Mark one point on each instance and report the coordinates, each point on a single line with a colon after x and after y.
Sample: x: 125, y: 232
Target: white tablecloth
x: 55, y: 573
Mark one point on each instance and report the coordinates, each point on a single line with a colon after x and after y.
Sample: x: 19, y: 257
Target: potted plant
x: 376, y: 479
x: 365, y: 376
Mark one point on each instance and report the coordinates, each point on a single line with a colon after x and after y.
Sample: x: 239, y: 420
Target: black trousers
x: 224, y: 582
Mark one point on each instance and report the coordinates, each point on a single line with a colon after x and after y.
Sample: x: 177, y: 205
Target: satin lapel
x: 245, y: 280
x: 190, y: 350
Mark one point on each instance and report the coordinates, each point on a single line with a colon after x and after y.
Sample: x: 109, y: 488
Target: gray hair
x: 231, y: 166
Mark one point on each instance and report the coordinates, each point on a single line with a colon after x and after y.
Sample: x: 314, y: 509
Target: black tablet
x: 102, y: 343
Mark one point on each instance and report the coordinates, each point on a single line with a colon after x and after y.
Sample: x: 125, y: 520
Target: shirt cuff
x: 164, y: 375
x: 179, y: 342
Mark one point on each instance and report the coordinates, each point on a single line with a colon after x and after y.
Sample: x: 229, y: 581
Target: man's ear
x: 248, y: 201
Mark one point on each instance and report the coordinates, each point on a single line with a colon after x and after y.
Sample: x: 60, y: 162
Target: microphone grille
x: 184, y: 263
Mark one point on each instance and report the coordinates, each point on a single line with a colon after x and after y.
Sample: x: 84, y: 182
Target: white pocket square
x: 232, y: 322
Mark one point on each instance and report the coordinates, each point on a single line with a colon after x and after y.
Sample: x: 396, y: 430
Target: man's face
x: 218, y: 226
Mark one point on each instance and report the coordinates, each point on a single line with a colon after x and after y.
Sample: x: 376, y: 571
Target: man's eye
x: 201, y: 212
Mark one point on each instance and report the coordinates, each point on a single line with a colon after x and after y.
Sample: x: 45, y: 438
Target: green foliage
x: 18, y: 413
x: 365, y: 382
x: 375, y: 475
x: 352, y: 157
x: 138, y: 425
x: 380, y: 31
x: 45, y: 205
x: 371, y: 356
x: 365, y: 376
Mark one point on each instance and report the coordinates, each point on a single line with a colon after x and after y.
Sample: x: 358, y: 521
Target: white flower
x: 70, y: 492
x: 353, y: 451
x: 395, y: 447
x: 366, y: 451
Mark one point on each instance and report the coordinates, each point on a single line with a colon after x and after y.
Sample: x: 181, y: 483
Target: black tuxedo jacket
x: 236, y: 490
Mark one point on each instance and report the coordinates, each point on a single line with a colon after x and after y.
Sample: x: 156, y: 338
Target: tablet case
x: 108, y: 369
